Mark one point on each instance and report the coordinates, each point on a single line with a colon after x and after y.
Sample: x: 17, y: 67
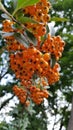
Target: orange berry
x: 46, y: 57
x: 27, y: 103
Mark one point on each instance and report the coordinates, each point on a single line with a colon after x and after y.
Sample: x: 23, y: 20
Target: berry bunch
x: 32, y: 65
x: 33, y: 62
x: 12, y: 43
x: 21, y: 93
x: 37, y: 95
x: 54, y: 45
x: 38, y: 12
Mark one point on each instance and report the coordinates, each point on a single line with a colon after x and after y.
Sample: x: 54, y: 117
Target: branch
x: 5, y: 102
x: 61, y: 124
x: 3, y: 75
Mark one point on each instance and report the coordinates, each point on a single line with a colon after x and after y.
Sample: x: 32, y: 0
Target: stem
x: 3, y: 75
x: 4, y: 10
x: 14, y: 12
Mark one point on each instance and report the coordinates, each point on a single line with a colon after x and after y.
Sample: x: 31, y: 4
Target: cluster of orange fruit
x: 30, y: 61
x: 36, y: 94
x: 38, y: 12
x: 32, y: 65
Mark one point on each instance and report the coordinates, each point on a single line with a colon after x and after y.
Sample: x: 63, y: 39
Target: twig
x: 5, y: 102
x: 3, y: 75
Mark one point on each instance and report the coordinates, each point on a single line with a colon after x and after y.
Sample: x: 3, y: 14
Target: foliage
x: 23, y: 4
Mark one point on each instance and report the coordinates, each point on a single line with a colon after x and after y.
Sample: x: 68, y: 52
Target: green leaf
x: 5, y: 16
x: 58, y: 19
x: 22, y: 39
x: 24, y: 3
x: 24, y: 19
x: 25, y: 123
x: 53, y: 61
x: 5, y: 34
x: 31, y: 37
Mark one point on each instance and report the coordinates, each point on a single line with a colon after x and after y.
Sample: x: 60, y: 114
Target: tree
x: 70, y: 124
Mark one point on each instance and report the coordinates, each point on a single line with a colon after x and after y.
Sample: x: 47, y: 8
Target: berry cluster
x: 36, y: 94
x: 32, y: 65
x: 33, y: 62
x: 21, y: 93
x: 12, y: 43
x: 38, y: 12
x: 54, y: 45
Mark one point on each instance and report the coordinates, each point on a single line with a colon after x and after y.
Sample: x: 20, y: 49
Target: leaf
x: 25, y: 123
x: 52, y: 61
x: 5, y: 34
x: 17, y: 26
x: 5, y: 16
x: 31, y: 38
x: 58, y: 19
x: 22, y: 39
x: 24, y: 3
x: 23, y: 19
